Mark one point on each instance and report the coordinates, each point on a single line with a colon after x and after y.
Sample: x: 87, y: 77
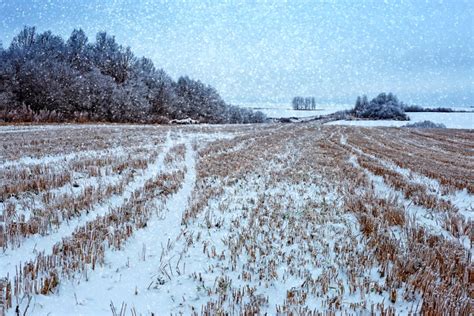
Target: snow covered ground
x: 272, y: 218
x: 278, y: 110
x: 450, y: 120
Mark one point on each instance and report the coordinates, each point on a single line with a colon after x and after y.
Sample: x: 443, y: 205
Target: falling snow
x: 236, y: 157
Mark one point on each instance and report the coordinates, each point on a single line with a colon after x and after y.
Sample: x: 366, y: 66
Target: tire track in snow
x: 126, y: 275
x: 36, y: 244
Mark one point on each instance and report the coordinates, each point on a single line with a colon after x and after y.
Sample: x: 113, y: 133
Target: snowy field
x: 249, y: 219
x: 279, y: 110
x: 450, y: 120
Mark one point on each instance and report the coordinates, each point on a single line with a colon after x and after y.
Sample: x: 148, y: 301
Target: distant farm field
x: 237, y: 219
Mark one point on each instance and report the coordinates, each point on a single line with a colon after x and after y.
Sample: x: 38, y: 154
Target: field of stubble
x: 240, y: 220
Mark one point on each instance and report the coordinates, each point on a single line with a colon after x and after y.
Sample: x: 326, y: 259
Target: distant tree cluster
x: 302, y: 103
x: 44, y: 78
x: 383, y: 107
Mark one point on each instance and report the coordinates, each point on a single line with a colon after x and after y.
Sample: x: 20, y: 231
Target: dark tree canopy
x: 44, y: 78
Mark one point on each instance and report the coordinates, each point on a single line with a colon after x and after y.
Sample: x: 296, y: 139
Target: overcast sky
x: 256, y: 51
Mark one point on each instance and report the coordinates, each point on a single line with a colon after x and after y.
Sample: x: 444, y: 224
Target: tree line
x: 46, y: 78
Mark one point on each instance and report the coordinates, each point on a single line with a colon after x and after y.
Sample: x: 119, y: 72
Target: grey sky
x: 256, y: 51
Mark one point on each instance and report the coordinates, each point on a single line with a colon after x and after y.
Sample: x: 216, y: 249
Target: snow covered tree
x: 111, y: 58
x: 303, y: 103
x: 25, y: 39
x: 78, y: 51
x: 383, y: 106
